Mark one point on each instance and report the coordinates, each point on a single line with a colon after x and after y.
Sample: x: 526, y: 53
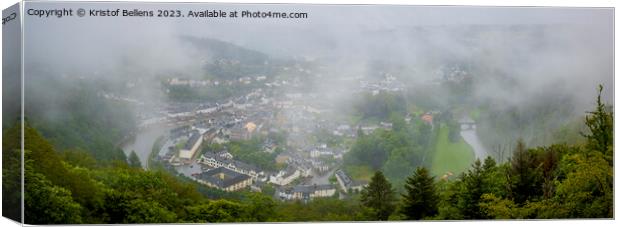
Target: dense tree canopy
x: 379, y: 197
x: 421, y: 197
x: 134, y: 161
x: 395, y: 152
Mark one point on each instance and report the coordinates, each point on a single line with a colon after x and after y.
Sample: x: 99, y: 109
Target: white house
x: 285, y: 176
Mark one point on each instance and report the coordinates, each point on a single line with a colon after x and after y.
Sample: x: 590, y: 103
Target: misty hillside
x: 218, y: 49
x: 225, y: 60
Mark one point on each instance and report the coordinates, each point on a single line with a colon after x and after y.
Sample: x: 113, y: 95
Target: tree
x: 494, y: 177
x: 46, y: 203
x: 78, y: 157
x: 499, y: 208
x: 398, y: 122
x: 261, y: 207
x: 398, y: 165
x: 525, y: 175
x: 320, y: 209
x: 379, y: 197
x: 216, y: 211
x: 587, y: 191
x: 471, y: 192
x: 11, y: 173
x: 449, y: 193
x: 421, y: 199
x: 464, y: 198
x: 144, y: 212
x: 370, y: 150
x: 600, y: 122
x: 134, y: 161
x: 549, y: 164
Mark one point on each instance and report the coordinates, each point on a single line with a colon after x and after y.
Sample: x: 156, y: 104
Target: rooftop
x: 344, y: 177
x: 290, y: 170
x: 222, y: 177
x: 192, y: 140
x: 312, y: 188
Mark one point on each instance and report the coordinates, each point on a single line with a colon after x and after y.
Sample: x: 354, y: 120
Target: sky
x: 325, y: 22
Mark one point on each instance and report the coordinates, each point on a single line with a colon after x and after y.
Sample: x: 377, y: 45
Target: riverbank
x: 471, y: 138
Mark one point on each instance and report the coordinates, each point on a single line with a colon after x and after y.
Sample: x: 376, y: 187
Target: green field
x: 453, y: 157
x: 363, y: 173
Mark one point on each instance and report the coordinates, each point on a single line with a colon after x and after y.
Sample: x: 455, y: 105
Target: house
x: 240, y: 132
x: 316, y: 152
x: 319, y: 166
x: 211, y: 159
x: 255, y: 188
x: 305, y: 169
x: 224, y: 154
x: 386, y: 125
x: 467, y: 123
x: 221, y: 136
x: 189, y: 150
x: 224, y: 159
x: 242, y: 167
x: 357, y: 186
x: 285, y: 193
x: 368, y: 129
x: 250, y: 127
x: 339, y: 154
x: 344, y: 130
x: 408, y: 118
x: 269, y: 146
x: 219, y: 140
x: 347, y: 184
x: 343, y: 179
x: 306, y: 192
x: 179, y: 131
x: 285, y: 176
x: 224, y: 179
x: 207, y: 110
x: 174, y: 161
x: 343, y: 127
x: 428, y: 118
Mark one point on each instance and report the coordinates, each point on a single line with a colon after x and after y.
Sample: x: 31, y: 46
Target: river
x: 143, y: 142
x: 469, y: 134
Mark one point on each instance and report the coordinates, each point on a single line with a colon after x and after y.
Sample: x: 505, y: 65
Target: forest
x: 555, y: 181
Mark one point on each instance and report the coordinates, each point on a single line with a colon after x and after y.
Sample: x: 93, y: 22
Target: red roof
x: 428, y: 118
